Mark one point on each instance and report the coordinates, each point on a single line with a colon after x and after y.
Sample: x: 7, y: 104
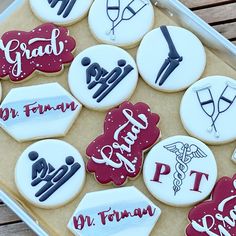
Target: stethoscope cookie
x: 50, y: 173
x: 180, y: 171
x: 103, y: 76
x: 171, y: 58
x: 38, y: 111
x: 208, y: 110
x: 60, y: 12
x: 121, y: 212
x: 215, y: 216
x: 121, y: 22
x: 45, y: 49
x: 117, y: 154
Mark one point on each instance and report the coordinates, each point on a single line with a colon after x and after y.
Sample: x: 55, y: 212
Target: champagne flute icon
x: 132, y: 9
x: 113, y: 12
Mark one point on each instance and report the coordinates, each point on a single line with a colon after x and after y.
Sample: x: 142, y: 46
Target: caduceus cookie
x: 45, y: 49
x: 208, y: 109
x: 103, y: 76
x: 117, y: 154
x: 180, y: 171
x: 50, y: 173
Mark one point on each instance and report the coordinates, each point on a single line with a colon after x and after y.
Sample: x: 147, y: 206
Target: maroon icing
x: 216, y: 216
x: 111, y: 215
x: 138, y: 127
x: 26, y: 55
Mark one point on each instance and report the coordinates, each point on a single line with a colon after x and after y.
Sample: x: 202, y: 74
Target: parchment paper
x: 90, y: 124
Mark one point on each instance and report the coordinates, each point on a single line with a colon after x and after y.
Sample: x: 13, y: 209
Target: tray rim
x: 222, y: 47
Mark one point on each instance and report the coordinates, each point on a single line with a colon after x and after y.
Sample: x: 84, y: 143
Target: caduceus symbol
x: 184, y: 155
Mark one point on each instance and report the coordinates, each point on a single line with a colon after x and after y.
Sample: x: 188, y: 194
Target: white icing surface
x: 119, y: 199
x: 234, y: 157
x: 154, y: 50
x: 107, y: 57
x: 128, y: 32
x: 30, y: 118
x: 197, y: 158
x: 198, y: 123
x: 54, y: 152
x: 46, y: 13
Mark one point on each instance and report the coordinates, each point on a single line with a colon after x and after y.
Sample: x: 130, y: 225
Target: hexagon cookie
x: 121, y: 211
x: 40, y: 111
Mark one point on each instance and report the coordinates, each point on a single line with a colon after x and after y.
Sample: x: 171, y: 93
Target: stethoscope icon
x: 225, y: 101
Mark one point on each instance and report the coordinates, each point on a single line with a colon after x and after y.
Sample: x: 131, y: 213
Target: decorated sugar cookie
x: 39, y: 111
x: 215, y: 216
x: 121, y: 22
x: 121, y: 211
x: 50, y: 173
x: 234, y: 157
x: 180, y: 171
x: 45, y: 49
x: 61, y: 12
x: 103, y: 76
x: 208, y: 109
x: 117, y: 154
x: 171, y: 58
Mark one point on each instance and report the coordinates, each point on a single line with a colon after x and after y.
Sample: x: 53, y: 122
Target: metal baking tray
x: 213, y: 40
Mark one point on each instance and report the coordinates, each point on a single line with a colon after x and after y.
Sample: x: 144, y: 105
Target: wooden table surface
x: 221, y: 14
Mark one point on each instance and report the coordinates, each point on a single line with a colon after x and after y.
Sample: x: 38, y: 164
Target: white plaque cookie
x: 121, y: 22
x: 61, y: 12
x: 171, y: 58
x: 103, y: 76
x: 180, y: 171
x: 118, y: 212
x: 50, y: 173
x: 39, y: 111
x: 208, y: 110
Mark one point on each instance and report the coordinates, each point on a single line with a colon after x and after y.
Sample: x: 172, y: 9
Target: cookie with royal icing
x: 216, y: 216
x: 117, y: 154
x: 39, y: 111
x: 180, y: 171
x: 208, y: 109
x: 120, y: 212
x: 45, y: 49
x: 171, y: 58
x: 103, y: 76
x: 60, y: 12
x: 234, y: 156
x: 121, y: 22
x: 50, y: 173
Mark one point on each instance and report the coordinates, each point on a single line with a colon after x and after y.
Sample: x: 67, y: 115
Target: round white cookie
x: 60, y: 12
x: 103, y: 76
x: 50, y: 173
x: 121, y: 22
x: 208, y: 110
x: 180, y: 171
x: 171, y: 58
